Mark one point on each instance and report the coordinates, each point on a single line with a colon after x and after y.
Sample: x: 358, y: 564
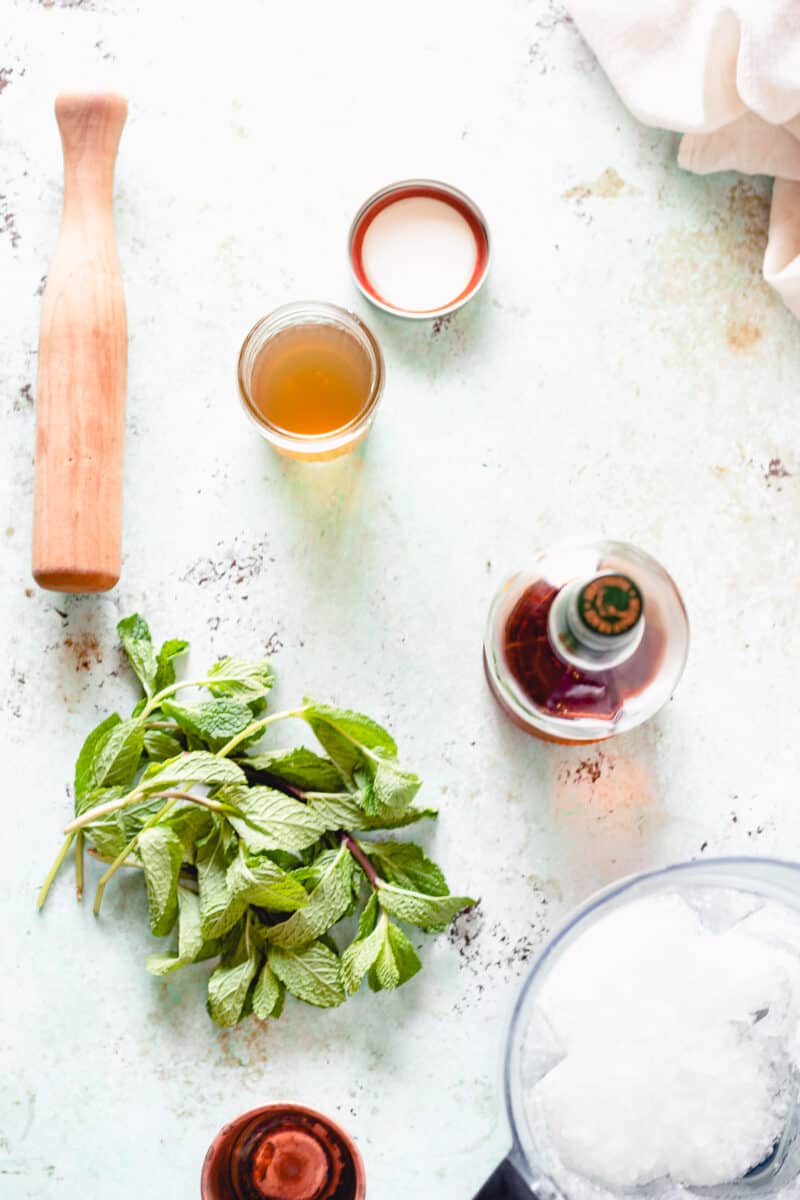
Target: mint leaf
x: 267, y: 994
x: 161, y: 853
x: 365, y: 754
x: 311, y: 973
x: 257, y: 836
x: 300, y: 767
x: 270, y: 820
x: 317, y: 865
x: 159, y: 745
x: 348, y: 737
x: 85, y: 780
x: 328, y: 902
x: 396, y: 962
x: 343, y: 811
x: 219, y: 910
x: 369, y: 918
x: 404, y: 864
x: 257, y: 880
x: 118, y: 756
x: 362, y: 952
x: 107, y: 835
x: 134, y: 633
x: 392, y: 787
x: 191, y: 945
x: 337, y: 811
x: 381, y: 950
x: 110, y: 757
x: 212, y: 721
x: 229, y: 985
x: 241, y: 679
x: 195, y: 767
x: 163, y: 964
x: 398, y: 820
x: 284, y: 858
x: 191, y: 824
x: 353, y: 727
x: 431, y: 913
x: 165, y: 666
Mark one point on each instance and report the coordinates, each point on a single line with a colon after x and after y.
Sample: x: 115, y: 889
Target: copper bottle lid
x: 411, y: 192
x: 282, y: 1152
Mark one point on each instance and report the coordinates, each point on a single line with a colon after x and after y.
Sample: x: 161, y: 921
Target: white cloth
x: 726, y: 76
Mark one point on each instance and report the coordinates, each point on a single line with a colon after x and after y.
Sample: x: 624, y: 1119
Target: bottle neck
x: 598, y: 623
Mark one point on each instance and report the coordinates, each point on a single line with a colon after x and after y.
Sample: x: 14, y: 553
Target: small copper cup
x: 282, y: 1152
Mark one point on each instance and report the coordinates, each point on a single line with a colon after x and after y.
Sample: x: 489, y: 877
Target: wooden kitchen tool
x: 83, y: 350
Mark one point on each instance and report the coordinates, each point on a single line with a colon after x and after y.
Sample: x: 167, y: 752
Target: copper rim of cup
x: 406, y: 189
x: 230, y: 1132
x: 290, y: 316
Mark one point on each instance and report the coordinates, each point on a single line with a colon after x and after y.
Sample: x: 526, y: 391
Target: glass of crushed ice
x: 655, y: 1047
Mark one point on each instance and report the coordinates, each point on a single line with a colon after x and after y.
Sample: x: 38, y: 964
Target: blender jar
x: 754, y: 901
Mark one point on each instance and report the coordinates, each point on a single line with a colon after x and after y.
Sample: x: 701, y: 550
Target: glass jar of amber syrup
x: 587, y: 644
x: 310, y: 377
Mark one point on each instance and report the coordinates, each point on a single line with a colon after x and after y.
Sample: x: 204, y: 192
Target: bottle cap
x: 610, y: 605
x: 282, y: 1152
x: 419, y: 248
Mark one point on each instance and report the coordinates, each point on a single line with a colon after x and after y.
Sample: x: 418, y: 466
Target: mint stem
x: 109, y: 858
x: 358, y: 854
x: 136, y: 796
x: 258, y: 725
x: 139, y: 797
x: 103, y: 810
x: 155, y: 701
x: 187, y: 877
x: 204, y: 801
x: 289, y: 789
x: 56, y: 867
x: 79, y: 865
x: 267, y: 779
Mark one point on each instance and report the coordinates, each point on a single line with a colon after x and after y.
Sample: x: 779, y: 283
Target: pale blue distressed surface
x: 625, y: 370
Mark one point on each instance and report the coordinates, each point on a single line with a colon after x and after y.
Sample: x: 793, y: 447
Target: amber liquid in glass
x: 311, y: 379
x: 560, y: 688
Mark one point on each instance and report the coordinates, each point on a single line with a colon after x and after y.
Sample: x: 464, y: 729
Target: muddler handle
x: 83, y: 358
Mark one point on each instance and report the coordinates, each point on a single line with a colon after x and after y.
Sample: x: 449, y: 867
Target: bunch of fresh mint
x: 255, y: 857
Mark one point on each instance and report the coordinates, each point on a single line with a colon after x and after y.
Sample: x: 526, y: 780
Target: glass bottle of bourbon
x: 587, y: 644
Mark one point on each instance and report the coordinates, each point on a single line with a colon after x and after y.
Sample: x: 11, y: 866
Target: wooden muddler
x: 83, y: 358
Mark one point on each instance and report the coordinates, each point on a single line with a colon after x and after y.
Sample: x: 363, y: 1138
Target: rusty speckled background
x: 624, y: 371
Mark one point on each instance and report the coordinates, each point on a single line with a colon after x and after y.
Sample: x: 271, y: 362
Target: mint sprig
x: 254, y: 856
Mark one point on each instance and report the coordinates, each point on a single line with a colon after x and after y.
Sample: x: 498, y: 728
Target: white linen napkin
x: 726, y: 76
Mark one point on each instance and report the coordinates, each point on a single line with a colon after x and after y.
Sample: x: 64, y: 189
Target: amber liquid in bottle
x: 588, y: 644
x: 312, y: 378
x: 559, y: 687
